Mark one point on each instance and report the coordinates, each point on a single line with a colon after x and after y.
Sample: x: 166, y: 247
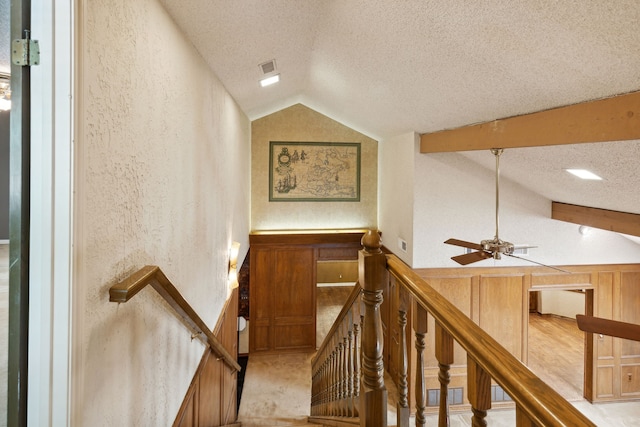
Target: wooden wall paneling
x: 348, y: 251
x: 604, y: 351
x: 210, y: 393
x: 458, y: 290
x: 630, y: 350
x: 550, y: 280
x: 590, y: 356
x: 261, y: 306
x: 501, y: 310
x: 294, y: 299
x: 524, y: 333
x: 608, y: 362
x: 213, y: 387
x: 188, y: 415
x: 229, y: 377
x: 283, y: 274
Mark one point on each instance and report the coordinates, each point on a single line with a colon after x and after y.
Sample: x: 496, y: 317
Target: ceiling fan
x: 491, y: 248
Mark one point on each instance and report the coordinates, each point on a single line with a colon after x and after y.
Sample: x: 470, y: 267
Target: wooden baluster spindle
x: 444, y: 354
x: 341, y: 379
x: 350, y: 373
x: 403, y: 410
x: 420, y: 328
x: 479, y: 390
x: 356, y: 369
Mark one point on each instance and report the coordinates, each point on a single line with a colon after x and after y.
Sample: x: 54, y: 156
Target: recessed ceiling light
x: 270, y: 80
x: 584, y: 174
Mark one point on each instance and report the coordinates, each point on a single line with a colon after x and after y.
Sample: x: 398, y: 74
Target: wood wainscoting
x: 211, y: 397
x: 497, y: 299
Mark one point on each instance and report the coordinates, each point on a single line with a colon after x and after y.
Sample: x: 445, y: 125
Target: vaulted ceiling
x: 386, y: 68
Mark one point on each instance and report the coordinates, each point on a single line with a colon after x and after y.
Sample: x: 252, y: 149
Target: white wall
x: 162, y: 167
x: 561, y: 303
x: 396, y: 184
x: 454, y: 197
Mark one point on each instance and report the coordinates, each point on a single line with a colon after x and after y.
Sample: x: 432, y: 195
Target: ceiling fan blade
x: 464, y: 244
x: 539, y: 263
x: 471, y: 257
x: 598, y: 325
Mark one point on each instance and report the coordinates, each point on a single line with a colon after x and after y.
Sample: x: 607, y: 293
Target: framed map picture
x: 314, y: 171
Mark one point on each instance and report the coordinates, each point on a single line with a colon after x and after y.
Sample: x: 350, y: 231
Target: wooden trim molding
x: 621, y: 222
x: 609, y: 119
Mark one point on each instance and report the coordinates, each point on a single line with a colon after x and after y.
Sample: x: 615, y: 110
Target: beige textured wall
x: 162, y: 167
x: 299, y: 123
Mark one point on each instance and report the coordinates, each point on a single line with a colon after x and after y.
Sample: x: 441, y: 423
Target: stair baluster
x: 444, y: 354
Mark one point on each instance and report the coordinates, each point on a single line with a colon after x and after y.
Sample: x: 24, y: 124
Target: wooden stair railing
x: 536, y: 403
x: 152, y: 275
x: 352, y: 354
x: 335, y: 369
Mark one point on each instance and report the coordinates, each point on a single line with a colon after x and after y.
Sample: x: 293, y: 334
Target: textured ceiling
x: 386, y: 68
x: 393, y: 67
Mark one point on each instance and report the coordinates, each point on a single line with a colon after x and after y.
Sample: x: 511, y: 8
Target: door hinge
x: 25, y: 52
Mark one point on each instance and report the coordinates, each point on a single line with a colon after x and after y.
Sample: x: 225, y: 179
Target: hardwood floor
x: 556, y: 353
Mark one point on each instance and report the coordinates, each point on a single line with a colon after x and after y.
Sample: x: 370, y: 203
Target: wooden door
x: 294, y: 300
x: 283, y: 293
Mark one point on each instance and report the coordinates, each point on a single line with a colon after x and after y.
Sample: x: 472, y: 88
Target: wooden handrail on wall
x: 152, y: 275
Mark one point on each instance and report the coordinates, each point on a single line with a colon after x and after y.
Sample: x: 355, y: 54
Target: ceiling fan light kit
x: 491, y: 248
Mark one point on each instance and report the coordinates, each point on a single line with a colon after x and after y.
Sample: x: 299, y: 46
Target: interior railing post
x: 479, y: 392
x: 403, y: 410
x: 444, y: 354
x: 420, y: 329
x: 372, y: 274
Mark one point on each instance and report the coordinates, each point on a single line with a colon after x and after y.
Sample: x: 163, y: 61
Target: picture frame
x: 314, y: 171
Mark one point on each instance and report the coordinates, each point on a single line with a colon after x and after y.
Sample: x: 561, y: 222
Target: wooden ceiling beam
x: 621, y: 222
x: 609, y: 119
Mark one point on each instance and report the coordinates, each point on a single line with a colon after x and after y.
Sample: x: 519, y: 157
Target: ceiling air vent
x: 268, y: 67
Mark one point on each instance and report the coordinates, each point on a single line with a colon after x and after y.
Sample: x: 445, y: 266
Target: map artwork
x: 304, y: 171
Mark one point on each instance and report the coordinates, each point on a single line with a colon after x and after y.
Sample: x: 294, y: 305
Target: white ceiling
x: 386, y: 68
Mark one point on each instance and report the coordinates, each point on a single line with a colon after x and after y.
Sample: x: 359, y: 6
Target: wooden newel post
x: 372, y: 264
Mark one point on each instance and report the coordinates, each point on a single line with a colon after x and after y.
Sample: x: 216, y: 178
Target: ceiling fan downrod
x: 497, y: 152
